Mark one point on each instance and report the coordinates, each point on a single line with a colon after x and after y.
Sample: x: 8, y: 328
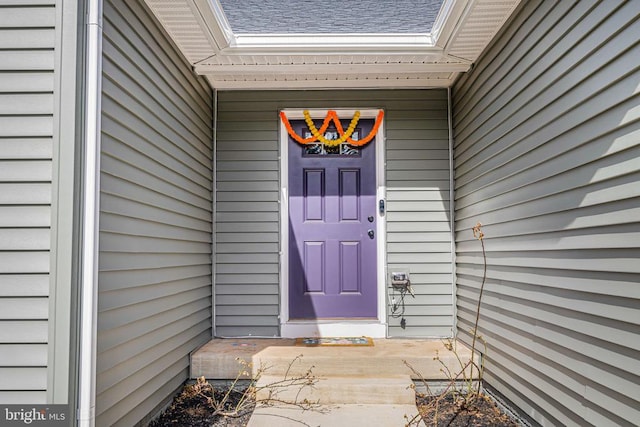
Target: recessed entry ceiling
x: 309, y: 44
x: 331, y: 16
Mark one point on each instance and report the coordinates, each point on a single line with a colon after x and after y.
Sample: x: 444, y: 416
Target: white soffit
x: 285, y: 61
x: 180, y: 22
x: 477, y: 27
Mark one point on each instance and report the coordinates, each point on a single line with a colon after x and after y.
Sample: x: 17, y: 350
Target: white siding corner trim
x: 90, y: 217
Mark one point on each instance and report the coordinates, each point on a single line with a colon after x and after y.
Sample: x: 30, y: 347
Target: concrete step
x: 357, y: 386
x: 386, y: 358
x: 348, y: 361
x: 342, y: 390
x: 334, y: 416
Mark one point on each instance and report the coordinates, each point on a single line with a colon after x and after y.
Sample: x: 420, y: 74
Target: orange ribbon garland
x: 332, y: 116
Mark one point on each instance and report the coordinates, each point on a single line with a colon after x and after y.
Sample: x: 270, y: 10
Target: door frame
x: 302, y: 328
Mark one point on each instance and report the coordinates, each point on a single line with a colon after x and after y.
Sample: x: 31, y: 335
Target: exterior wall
x: 547, y: 157
x: 36, y: 209
x: 154, y: 301
x: 247, y: 204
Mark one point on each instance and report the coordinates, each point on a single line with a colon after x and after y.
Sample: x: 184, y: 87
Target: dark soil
x: 452, y: 411
x: 192, y: 407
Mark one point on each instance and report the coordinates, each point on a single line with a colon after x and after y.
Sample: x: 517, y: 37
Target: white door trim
x: 372, y: 328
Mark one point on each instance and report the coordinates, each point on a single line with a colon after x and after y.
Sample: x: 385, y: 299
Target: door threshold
x: 333, y: 328
x: 336, y: 320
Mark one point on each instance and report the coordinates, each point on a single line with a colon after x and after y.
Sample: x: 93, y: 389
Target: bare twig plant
x: 478, y: 234
x: 460, y: 384
x: 224, y: 405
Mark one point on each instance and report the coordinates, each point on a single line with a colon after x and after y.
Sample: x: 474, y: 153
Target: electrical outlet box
x: 400, y: 279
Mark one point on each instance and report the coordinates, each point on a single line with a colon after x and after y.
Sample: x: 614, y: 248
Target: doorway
x: 334, y: 229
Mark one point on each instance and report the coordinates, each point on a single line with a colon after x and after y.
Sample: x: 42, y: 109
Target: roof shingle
x: 331, y: 16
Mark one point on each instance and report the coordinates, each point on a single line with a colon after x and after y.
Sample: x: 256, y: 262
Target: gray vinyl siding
x: 27, y: 41
x: 547, y: 157
x: 154, y: 302
x: 248, y: 209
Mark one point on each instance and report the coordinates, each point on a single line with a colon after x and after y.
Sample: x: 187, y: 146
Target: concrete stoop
x: 356, y: 386
x: 350, y: 415
x: 345, y: 401
x: 344, y: 390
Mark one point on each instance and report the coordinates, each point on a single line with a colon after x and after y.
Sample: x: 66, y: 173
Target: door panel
x: 332, y: 257
x: 315, y: 262
x: 313, y: 194
x: 349, y: 276
x: 349, y: 195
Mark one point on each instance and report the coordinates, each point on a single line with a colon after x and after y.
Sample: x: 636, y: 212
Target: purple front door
x: 332, y: 228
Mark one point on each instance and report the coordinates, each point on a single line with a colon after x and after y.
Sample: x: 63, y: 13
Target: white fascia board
x: 331, y: 68
x: 214, y: 21
x: 341, y: 44
x: 421, y: 40
x: 424, y: 83
x: 447, y: 20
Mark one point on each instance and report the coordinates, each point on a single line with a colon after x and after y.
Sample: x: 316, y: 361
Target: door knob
x: 371, y: 233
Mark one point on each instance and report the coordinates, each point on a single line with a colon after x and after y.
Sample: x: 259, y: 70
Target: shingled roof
x: 331, y: 16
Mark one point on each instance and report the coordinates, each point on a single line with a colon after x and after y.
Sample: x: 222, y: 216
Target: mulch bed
x: 452, y: 411
x: 191, y: 408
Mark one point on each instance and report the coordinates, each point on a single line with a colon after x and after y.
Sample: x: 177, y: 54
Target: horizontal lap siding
x: 27, y: 39
x: 547, y: 157
x: 155, y: 217
x: 247, y: 215
x: 248, y: 209
x: 418, y: 221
